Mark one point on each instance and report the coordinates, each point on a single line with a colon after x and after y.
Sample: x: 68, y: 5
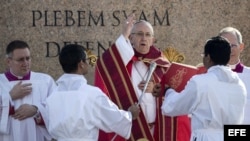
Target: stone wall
x: 183, y: 24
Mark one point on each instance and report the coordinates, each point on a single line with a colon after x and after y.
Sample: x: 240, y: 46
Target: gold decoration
x: 92, y: 57
x: 176, y: 79
x: 173, y: 55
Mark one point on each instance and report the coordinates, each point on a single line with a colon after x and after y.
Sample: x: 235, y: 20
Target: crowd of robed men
x: 34, y: 107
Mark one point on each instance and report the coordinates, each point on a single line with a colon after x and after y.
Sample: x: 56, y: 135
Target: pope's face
x: 142, y: 38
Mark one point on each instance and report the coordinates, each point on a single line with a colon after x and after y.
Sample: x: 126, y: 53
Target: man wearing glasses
x: 121, y: 72
x: 234, y: 37
x: 22, y: 93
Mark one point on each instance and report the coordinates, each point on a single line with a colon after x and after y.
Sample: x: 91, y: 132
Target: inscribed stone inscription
x: 47, y: 25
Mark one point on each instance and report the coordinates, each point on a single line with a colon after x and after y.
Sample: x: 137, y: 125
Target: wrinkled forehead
x: 143, y: 26
x: 230, y: 37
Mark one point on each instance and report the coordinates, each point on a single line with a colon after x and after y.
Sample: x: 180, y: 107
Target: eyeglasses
x: 141, y: 34
x: 21, y: 60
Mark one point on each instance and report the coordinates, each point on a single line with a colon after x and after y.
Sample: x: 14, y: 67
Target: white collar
x: 234, y: 65
x: 18, y: 77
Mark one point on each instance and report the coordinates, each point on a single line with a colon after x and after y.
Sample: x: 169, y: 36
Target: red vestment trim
x: 120, y: 89
x: 39, y: 120
x: 11, y: 110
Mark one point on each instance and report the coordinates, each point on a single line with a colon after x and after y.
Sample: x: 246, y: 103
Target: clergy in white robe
x: 76, y: 111
x: 245, y: 77
x: 244, y: 73
x: 213, y: 99
x: 12, y: 129
x: 22, y: 95
x: 234, y: 37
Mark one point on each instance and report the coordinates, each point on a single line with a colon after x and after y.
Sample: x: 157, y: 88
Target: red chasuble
x: 118, y: 86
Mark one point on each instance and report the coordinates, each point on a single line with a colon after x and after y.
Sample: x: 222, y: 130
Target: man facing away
x: 22, y: 95
x: 234, y: 37
x: 76, y: 111
x: 121, y: 72
x: 214, y: 99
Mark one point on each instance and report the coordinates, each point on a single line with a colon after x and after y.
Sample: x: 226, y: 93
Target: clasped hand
x: 135, y: 111
x: 25, y: 111
x: 20, y: 90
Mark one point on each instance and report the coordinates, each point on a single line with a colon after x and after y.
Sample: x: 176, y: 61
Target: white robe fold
x: 76, y: 111
x: 245, y: 77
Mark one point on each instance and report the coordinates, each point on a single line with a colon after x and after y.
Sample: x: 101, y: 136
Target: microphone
x: 150, y: 73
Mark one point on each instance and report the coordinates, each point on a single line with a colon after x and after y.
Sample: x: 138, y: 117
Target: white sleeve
x: 4, y: 113
x: 112, y: 119
x: 182, y: 103
x: 125, y: 49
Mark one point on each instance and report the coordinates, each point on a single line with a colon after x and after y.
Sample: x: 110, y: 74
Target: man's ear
x: 206, y: 58
x: 209, y: 59
x: 154, y: 40
x: 7, y: 61
x: 81, y: 64
x: 130, y: 37
x: 242, y: 46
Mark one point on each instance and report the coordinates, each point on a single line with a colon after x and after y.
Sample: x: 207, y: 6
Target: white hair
x: 233, y: 31
x: 147, y: 23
